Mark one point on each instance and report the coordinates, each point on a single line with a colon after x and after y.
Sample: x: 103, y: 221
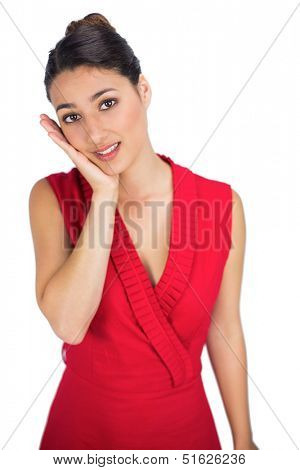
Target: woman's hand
x: 98, y: 180
x: 248, y: 445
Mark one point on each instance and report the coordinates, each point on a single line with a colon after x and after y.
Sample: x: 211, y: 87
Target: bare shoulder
x: 238, y: 222
x: 43, y: 203
x: 45, y: 212
x: 236, y: 199
x: 42, y: 189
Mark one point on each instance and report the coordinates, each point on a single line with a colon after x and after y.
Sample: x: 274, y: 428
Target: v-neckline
x: 152, y: 307
x: 178, y: 267
x: 130, y: 244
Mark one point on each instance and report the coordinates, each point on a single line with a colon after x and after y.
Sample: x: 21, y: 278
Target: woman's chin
x: 109, y: 168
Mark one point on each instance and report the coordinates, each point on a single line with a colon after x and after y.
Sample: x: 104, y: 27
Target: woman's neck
x: 148, y: 177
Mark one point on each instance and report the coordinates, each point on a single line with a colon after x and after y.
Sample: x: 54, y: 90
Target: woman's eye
x: 108, y: 101
x: 70, y: 115
x: 104, y: 109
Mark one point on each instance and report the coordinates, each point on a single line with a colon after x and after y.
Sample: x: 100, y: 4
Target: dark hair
x: 92, y: 41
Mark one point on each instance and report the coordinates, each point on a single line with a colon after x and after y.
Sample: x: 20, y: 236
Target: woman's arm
x: 69, y: 283
x: 225, y: 342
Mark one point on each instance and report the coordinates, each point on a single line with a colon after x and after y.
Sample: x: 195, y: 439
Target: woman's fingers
x: 70, y: 151
x: 48, y: 127
x: 58, y: 133
x: 49, y: 123
x: 92, y: 173
x: 58, y: 137
x: 51, y: 126
x: 77, y: 157
x: 61, y: 141
x: 56, y: 126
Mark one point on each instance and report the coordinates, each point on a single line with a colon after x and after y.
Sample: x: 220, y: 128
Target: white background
x: 225, y: 103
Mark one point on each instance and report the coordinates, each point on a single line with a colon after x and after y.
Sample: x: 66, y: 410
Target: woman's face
x: 117, y: 115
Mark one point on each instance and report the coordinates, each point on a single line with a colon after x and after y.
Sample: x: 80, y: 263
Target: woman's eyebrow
x: 92, y: 98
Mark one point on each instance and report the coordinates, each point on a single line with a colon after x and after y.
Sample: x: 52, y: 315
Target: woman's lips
x: 108, y: 156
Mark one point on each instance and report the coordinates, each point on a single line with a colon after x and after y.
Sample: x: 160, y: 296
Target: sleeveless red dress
x: 134, y: 382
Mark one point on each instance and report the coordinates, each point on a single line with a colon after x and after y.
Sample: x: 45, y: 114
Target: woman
x: 133, y: 317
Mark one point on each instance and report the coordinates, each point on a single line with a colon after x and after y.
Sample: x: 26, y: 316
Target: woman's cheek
x: 130, y: 118
x: 74, y: 137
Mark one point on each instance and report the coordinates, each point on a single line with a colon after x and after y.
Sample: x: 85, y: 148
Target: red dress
x: 134, y: 382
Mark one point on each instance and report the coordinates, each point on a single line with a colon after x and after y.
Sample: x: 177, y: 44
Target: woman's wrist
x: 245, y: 444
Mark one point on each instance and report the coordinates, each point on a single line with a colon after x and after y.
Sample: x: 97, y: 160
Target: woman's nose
x: 95, y: 132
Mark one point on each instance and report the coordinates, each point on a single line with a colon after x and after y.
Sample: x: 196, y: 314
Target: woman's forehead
x: 84, y: 83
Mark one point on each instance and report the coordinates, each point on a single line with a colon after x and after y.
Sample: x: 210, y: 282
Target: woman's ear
x: 144, y: 90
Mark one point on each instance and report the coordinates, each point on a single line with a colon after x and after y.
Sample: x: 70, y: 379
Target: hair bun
x: 91, y: 19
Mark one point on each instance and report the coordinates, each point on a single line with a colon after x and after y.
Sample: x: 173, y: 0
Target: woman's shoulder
x: 211, y: 186
x: 63, y: 175
x: 210, y: 189
x: 64, y: 181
